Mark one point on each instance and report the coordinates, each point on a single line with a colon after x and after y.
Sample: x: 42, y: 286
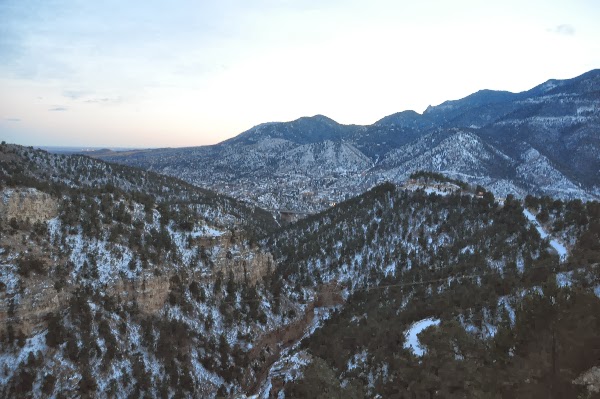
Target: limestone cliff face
x: 26, y: 307
x: 27, y: 299
x: 246, y: 262
x: 27, y: 310
x: 27, y: 203
x: 149, y: 292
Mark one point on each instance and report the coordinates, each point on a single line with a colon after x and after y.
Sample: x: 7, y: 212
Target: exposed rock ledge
x: 27, y: 203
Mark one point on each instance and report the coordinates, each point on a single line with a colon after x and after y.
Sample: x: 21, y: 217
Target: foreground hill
x: 507, y: 316
x: 117, y: 282
x: 544, y: 141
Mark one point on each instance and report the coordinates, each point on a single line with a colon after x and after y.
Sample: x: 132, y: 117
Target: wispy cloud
x: 563, y: 29
x: 56, y: 109
x: 104, y: 100
x: 90, y: 97
x: 75, y: 94
x: 12, y: 119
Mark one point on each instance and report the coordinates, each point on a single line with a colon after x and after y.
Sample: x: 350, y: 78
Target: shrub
x: 27, y: 265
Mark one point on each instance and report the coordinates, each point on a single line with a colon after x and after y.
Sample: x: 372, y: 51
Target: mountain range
x: 119, y: 282
x: 544, y: 141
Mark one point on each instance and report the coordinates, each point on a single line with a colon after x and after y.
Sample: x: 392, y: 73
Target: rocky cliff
x: 27, y: 298
x: 27, y: 204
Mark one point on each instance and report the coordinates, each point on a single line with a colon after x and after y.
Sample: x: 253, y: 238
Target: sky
x: 186, y: 73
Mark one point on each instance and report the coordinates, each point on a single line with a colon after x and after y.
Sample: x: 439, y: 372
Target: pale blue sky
x: 155, y: 73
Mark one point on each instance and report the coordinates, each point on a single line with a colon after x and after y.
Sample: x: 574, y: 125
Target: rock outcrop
x: 27, y: 204
x: 149, y: 292
x: 246, y: 262
x: 26, y: 311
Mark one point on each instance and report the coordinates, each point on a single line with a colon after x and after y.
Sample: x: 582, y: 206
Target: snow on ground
x: 564, y: 279
x: 206, y: 231
x: 10, y: 361
x: 288, y: 367
x: 290, y: 364
x: 504, y: 302
x: 112, y: 260
x: 520, y: 263
x: 560, y: 248
x: 10, y: 278
x: 467, y: 250
x: 53, y: 227
x: 321, y: 315
x: 356, y: 360
x: 435, y: 191
x: 412, y: 341
x: 390, y: 270
x: 202, y: 374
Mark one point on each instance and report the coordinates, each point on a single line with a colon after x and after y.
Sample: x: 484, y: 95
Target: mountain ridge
x: 560, y: 119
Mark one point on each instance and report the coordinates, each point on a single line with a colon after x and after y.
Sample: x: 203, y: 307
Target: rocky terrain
x: 96, y: 264
x: 118, y: 282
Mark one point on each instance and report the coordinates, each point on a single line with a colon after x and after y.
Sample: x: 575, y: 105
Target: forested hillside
x: 117, y: 282
x: 509, y: 318
x: 121, y: 283
x: 60, y: 174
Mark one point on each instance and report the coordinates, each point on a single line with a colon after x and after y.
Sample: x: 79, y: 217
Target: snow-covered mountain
x: 544, y: 141
x: 117, y: 282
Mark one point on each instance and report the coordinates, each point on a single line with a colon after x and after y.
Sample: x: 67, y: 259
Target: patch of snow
x: 559, y: 247
x: 9, y: 277
x: 202, y: 374
x: 520, y: 264
x: 356, y: 360
x: 288, y: 367
x: 585, y: 110
x: 435, y: 191
x: 564, y: 279
x: 503, y: 302
x: 206, y: 231
x: 53, y: 226
x: 321, y: 315
x: 468, y: 249
x: 390, y: 270
x: 412, y: 341
x: 10, y: 361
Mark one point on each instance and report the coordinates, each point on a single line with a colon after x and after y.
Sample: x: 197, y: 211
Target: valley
x: 450, y: 254
x: 299, y: 199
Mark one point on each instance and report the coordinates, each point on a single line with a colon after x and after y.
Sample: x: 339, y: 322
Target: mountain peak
x: 405, y: 119
x: 304, y: 130
x: 479, y: 98
x: 584, y: 83
x: 322, y: 119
